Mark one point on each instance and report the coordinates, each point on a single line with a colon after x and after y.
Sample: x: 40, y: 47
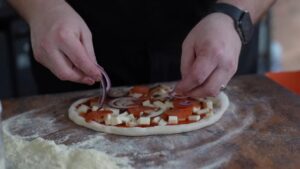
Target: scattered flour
x: 2, y: 164
x: 44, y: 154
x: 217, y: 164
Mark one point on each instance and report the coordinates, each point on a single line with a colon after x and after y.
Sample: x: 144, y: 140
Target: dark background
x: 15, y: 76
x: 15, y: 73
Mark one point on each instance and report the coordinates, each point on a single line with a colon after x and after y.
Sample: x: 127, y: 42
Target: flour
x: 216, y: 164
x: 40, y: 153
x: 2, y: 164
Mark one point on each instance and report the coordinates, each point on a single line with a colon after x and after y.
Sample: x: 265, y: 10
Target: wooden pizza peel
x: 261, y: 129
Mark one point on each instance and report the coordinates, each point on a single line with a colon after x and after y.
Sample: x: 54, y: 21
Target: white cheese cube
x: 95, y: 108
x: 132, y: 123
x: 83, y: 108
x: 209, y: 114
x: 156, y: 119
x: 194, y: 118
x: 173, y: 120
x: 162, y: 105
x: 115, y: 112
x: 169, y: 104
x: 202, y: 111
x: 131, y: 117
x: 115, y: 120
x: 208, y: 104
x: 94, y: 103
x: 124, y: 114
x: 107, y: 119
x: 147, y: 103
x: 141, y: 114
x: 196, y: 109
x: 144, y: 121
x: 136, y: 95
x: 162, y: 122
x: 124, y: 119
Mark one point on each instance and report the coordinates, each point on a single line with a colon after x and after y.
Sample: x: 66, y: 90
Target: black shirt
x: 136, y: 41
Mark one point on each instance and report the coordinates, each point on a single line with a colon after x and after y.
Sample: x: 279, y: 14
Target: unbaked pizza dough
x: 221, y: 103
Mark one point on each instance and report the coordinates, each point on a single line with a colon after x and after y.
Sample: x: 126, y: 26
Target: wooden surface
x: 261, y: 129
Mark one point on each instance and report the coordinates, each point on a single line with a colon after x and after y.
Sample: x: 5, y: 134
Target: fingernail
x: 89, y: 81
x: 97, y: 78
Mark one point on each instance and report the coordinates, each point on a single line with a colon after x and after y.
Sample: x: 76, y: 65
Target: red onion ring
x: 107, y: 79
x: 105, y: 85
x: 185, y: 103
x: 173, y: 94
x: 103, y: 96
x: 123, y: 102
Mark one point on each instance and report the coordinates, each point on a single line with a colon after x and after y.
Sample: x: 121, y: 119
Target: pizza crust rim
x: 222, y: 100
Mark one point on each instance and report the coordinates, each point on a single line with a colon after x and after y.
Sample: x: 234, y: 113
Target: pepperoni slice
x: 125, y: 102
x: 184, y: 103
x: 97, y: 116
x: 136, y: 111
x: 144, y: 90
x: 182, y: 113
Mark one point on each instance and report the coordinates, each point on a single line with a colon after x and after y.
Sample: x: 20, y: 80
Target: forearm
x: 29, y: 9
x: 256, y: 7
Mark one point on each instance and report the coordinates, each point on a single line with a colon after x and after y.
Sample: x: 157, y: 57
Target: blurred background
x: 279, y: 48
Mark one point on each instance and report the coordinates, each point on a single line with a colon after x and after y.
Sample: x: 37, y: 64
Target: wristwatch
x: 242, y: 20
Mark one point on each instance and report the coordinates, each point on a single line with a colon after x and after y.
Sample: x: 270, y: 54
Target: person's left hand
x: 209, y: 57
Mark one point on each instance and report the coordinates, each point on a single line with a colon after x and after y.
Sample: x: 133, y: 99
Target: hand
x: 210, y: 55
x: 62, y: 42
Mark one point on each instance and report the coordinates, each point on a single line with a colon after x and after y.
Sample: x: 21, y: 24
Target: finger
x: 187, y: 58
x: 87, y: 42
x: 77, y: 54
x: 199, y: 72
x: 213, y: 85
x: 62, y: 67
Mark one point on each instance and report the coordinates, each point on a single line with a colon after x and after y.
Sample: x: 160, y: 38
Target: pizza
x: 144, y: 110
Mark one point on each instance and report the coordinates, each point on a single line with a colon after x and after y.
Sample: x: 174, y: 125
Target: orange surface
x: 289, y: 80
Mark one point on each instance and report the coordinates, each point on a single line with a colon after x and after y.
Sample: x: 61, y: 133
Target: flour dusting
x: 2, y: 164
x: 40, y: 153
x: 210, y: 147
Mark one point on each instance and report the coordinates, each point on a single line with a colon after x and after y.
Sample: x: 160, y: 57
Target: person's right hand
x: 62, y: 42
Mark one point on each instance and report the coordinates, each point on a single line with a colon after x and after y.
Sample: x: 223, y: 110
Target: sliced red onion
x: 173, y: 94
x: 103, y: 96
x: 185, y: 103
x: 104, y: 85
x: 123, y: 102
x: 105, y: 76
x: 156, y: 113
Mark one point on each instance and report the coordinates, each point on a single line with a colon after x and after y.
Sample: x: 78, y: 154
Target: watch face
x: 246, y: 26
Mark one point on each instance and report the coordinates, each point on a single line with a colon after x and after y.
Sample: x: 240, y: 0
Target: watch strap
x: 242, y: 20
x: 234, y: 12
